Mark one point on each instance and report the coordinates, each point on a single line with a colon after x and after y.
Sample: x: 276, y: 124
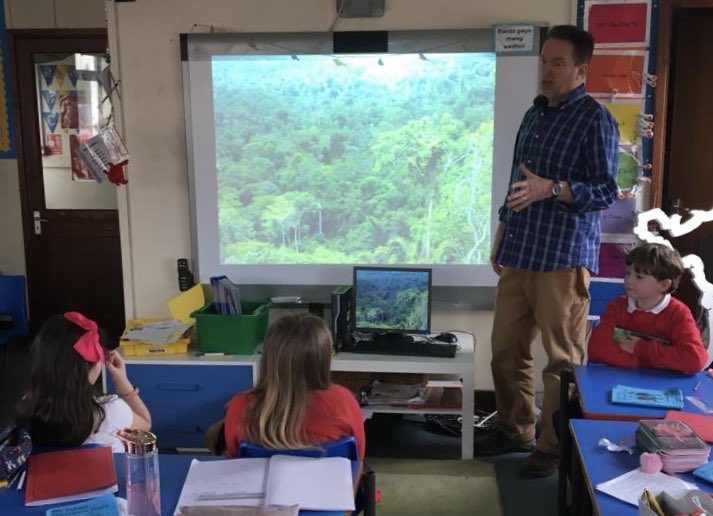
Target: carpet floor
x: 428, y: 487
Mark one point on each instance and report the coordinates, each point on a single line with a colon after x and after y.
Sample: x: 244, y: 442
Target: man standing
x: 547, y: 244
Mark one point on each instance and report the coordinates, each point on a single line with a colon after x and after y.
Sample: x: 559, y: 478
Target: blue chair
x: 345, y: 447
x: 13, y: 308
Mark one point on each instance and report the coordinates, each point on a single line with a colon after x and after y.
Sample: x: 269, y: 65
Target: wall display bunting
x: 7, y: 123
x: 621, y: 77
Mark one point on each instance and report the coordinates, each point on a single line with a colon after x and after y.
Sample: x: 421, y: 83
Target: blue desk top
x: 172, y: 469
x: 600, y: 465
x: 595, y: 382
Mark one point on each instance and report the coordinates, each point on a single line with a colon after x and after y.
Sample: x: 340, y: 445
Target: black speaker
x: 362, y: 42
x: 342, y: 318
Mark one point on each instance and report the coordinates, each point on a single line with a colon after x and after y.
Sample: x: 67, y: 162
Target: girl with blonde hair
x: 294, y: 404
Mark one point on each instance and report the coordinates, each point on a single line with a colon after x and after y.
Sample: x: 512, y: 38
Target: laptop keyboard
x: 419, y: 349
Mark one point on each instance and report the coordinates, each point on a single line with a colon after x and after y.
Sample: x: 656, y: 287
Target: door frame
x: 659, y: 158
x: 27, y: 144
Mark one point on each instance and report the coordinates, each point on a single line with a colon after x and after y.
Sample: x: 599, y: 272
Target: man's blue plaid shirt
x: 577, y: 142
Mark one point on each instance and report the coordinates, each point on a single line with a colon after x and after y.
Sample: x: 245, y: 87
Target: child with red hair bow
x: 61, y: 407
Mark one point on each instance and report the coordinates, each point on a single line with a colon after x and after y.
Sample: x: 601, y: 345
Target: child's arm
x: 686, y: 353
x: 117, y: 369
x: 602, y: 346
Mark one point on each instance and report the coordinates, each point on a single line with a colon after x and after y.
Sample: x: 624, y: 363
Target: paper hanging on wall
x: 53, y: 145
x: 73, y: 75
x: 627, y: 173
x: 627, y: 116
x: 619, y: 217
x: 50, y: 97
x: 612, y: 259
x: 47, y: 72
x: 616, y: 72
x: 617, y: 23
x: 51, y: 120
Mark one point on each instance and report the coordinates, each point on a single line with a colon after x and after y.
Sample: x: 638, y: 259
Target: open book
x: 323, y: 484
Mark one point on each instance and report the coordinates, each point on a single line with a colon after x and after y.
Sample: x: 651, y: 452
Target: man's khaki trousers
x: 557, y: 304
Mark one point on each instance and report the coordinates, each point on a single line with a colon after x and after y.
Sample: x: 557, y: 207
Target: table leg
x: 467, y: 411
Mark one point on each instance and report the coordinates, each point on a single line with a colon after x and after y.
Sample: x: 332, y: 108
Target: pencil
x: 22, y: 480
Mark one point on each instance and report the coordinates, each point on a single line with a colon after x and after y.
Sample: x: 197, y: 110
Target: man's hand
x: 532, y: 188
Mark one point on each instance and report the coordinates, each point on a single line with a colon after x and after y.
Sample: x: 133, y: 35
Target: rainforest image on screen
x: 392, y: 300
x: 364, y: 159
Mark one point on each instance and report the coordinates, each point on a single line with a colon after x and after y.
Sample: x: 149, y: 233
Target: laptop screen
x: 392, y: 300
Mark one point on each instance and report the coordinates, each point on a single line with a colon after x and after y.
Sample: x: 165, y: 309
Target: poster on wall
x: 617, y: 73
x: 7, y: 125
x: 620, y: 24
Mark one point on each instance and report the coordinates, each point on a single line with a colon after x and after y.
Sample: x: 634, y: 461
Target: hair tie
x: 88, y: 345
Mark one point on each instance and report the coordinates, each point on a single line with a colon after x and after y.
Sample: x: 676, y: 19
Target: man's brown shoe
x: 539, y: 464
x: 497, y: 443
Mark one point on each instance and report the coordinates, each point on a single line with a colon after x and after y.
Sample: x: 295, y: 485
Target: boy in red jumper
x: 647, y: 327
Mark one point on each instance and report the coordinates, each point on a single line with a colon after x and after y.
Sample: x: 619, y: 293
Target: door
x: 71, y: 226
x: 687, y: 180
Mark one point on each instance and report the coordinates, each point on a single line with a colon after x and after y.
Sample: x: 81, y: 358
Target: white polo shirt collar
x: 663, y: 304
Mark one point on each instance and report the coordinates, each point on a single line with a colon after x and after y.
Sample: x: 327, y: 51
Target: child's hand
x: 116, y: 366
x: 628, y: 344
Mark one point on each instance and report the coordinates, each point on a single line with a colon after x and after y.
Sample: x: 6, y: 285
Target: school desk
x: 173, y: 470
x: 595, y: 381
x: 593, y: 464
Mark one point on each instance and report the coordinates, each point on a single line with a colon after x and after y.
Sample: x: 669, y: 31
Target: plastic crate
x: 132, y: 348
x: 232, y: 334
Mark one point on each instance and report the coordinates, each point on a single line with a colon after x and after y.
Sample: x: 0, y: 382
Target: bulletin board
x: 622, y: 77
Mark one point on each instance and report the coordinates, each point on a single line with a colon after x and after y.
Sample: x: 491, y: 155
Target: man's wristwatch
x: 556, y: 188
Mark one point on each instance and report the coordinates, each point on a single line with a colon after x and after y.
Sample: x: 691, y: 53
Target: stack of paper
x: 679, y: 447
x: 160, y: 332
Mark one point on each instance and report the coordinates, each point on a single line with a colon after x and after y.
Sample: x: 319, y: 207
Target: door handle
x: 37, y: 221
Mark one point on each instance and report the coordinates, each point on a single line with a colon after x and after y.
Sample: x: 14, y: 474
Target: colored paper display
x: 619, y: 218
x: 627, y: 116
x: 618, y: 23
x: 612, y: 260
x: 621, y: 73
x: 627, y: 172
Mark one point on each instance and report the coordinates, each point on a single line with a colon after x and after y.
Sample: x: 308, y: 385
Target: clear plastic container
x: 143, y: 490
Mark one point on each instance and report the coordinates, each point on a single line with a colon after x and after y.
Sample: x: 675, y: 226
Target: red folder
x: 702, y: 425
x: 68, y: 475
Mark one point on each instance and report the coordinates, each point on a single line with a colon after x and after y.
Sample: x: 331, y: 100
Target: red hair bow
x: 88, y: 345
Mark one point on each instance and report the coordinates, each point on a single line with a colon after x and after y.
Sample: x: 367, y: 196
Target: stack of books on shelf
x: 679, y: 447
x: 226, y: 296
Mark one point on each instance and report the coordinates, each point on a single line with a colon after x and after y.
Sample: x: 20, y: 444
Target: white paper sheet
x: 323, y: 484
x: 226, y: 481
x: 629, y: 486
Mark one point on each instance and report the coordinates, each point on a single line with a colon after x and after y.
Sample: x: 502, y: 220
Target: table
x: 593, y: 464
x: 172, y: 469
x: 463, y: 365
x: 595, y: 381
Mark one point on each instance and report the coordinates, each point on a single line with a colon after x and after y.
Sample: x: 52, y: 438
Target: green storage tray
x: 232, y: 334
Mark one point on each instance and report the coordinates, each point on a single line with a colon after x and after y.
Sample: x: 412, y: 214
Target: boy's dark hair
x: 581, y: 40
x: 659, y: 261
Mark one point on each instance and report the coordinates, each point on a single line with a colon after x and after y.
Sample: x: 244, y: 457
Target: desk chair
x: 14, y: 325
x: 345, y: 447
x: 13, y: 309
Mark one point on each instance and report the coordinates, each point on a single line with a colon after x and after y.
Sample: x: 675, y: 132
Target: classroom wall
x: 144, y: 41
